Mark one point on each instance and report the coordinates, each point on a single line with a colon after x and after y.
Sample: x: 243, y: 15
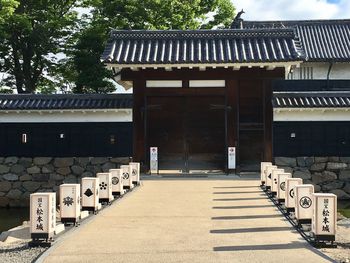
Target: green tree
x: 164, y: 14
x: 7, y: 7
x: 30, y: 40
x: 91, y: 76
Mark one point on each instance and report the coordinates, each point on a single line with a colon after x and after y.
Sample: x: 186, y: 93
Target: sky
x: 293, y: 9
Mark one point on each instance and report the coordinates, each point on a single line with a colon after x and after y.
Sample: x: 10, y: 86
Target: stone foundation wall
x: 327, y: 174
x: 21, y: 176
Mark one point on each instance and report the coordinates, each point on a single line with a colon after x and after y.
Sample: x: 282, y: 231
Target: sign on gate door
x: 231, y: 157
x: 154, y: 160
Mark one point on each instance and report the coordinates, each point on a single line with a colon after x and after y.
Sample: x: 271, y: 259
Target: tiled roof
x: 66, y: 101
x: 202, y: 46
x: 320, y: 99
x: 322, y: 40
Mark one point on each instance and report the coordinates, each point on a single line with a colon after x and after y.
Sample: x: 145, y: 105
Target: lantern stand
x: 316, y: 241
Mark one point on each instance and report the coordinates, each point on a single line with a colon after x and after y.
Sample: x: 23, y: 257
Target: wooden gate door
x: 165, y: 120
x: 189, y: 132
x: 251, y: 125
x: 205, y: 133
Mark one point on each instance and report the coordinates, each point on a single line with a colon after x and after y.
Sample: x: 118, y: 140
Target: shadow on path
x: 245, y: 217
x: 250, y: 230
x: 240, y: 199
x: 292, y: 245
x: 228, y: 193
x: 261, y: 247
x: 242, y: 206
x: 235, y: 187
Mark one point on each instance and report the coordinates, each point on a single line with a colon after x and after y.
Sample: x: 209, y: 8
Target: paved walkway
x: 188, y: 221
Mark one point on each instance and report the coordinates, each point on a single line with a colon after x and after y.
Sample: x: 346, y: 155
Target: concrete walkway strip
x: 187, y: 221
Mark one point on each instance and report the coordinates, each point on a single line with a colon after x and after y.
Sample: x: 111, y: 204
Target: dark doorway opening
x: 251, y: 125
x: 189, y: 132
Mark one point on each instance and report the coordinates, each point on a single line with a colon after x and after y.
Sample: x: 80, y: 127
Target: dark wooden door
x: 251, y: 124
x: 205, y: 133
x: 189, y: 132
x: 165, y: 130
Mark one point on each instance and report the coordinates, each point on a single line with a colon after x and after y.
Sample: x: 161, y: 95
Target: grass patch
x: 344, y: 207
x: 345, y: 212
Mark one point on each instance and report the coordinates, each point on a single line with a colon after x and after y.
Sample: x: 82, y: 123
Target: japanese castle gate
x: 196, y: 93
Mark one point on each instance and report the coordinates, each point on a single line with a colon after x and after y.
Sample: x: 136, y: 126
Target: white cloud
x: 292, y: 9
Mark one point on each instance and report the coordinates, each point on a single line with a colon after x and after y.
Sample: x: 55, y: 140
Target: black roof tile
x: 202, y: 46
x: 319, y: 99
x: 65, y: 101
x: 322, y: 40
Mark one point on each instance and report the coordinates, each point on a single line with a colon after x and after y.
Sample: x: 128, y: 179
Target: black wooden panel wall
x: 311, y: 139
x: 66, y: 139
x: 310, y: 85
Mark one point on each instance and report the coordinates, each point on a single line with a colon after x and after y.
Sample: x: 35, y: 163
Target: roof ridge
x: 63, y: 96
x: 300, y: 21
x: 205, y: 32
x: 65, y: 102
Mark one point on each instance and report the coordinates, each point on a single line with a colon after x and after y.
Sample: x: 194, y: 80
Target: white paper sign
x: 135, y: 172
x: 105, y: 186
x: 231, y: 157
x: 126, y: 175
x: 290, y: 192
x: 70, y: 201
x: 303, y: 201
x: 90, y: 192
x: 324, y: 214
x: 43, y: 213
x: 274, y: 174
x: 281, y: 181
x: 117, y: 181
x: 263, y: 166
x: 154, y: 160
x: 269, y: 169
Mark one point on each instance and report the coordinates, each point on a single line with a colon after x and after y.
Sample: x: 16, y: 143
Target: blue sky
x: 333, y: 1
x: 293, y: 9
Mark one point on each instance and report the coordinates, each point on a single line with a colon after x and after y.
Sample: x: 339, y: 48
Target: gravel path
x: 188, y: 221
x: 19, y: 252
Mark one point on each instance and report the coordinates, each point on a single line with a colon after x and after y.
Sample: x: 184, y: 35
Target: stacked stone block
x: 21, y: 176
x: 327, y: 174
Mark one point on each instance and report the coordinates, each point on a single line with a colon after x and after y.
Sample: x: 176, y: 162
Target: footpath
x: 187, y: 221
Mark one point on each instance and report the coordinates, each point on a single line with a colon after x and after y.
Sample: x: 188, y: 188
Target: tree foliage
x: 44, y: 47
x: 7, y: 7
x: 135, y: 14
x: 92, y: 76
x: 164, y: 14
x: 31, y: 38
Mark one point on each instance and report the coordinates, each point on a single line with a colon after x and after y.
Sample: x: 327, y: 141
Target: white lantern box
x: 70, y: 203
x: 274, y: 174
x: 324, y: 218
x: 268, y: 175
x: 126, y: 175
x: 303, y: 203
x: 117, y: 181
x: 42, y: 216
x: 105, y: 186
x: 281, y: 188
x: 135, y: 172
x: 262, y: 171
x: 290, y: 193
x: 90, y: 193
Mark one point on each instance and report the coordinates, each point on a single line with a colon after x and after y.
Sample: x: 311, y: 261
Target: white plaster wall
x: 320, y: 70
x: 36, y: 116
x: 325, y: 114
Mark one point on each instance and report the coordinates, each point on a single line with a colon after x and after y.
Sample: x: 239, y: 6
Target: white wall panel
x: 35, y: 116
x: 207, y: 83
x: 340, y: 114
